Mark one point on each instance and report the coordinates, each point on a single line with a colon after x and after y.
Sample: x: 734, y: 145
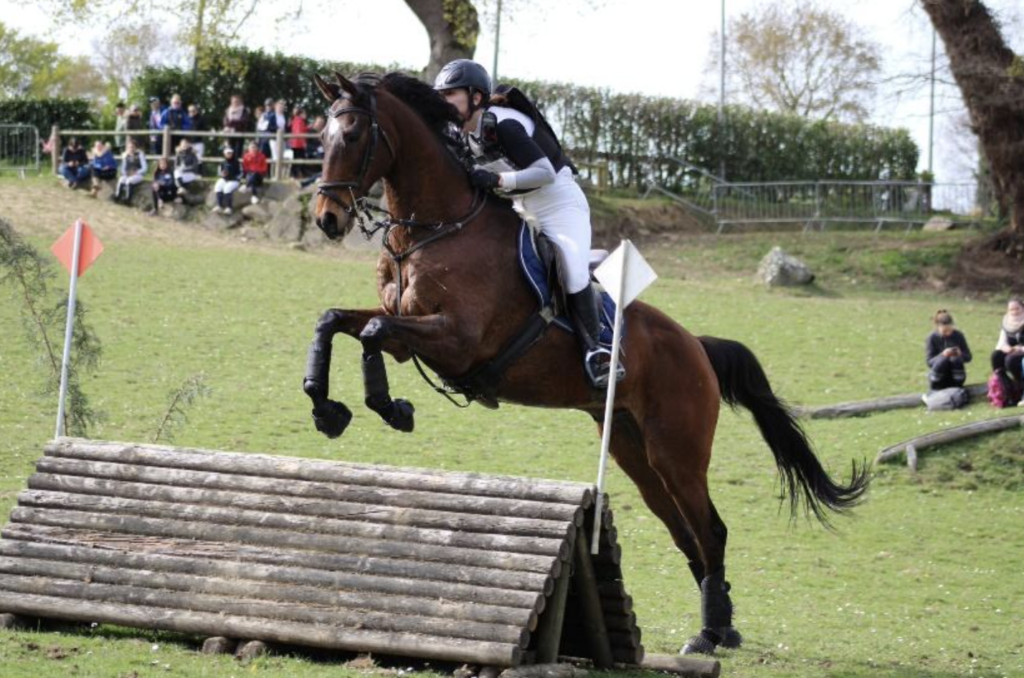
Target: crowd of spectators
x: 136, y: 136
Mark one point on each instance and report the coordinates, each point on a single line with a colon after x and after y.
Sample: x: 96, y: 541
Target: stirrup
x: 599, y: 377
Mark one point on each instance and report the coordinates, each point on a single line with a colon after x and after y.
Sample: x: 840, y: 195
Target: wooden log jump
x: 861, y: 407
x: 914, y: 445
x: 462, y: 567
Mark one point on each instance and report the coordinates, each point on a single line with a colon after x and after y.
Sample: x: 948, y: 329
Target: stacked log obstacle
x: 861, y: 407
x: 948, y: 435
x: 461, y: 567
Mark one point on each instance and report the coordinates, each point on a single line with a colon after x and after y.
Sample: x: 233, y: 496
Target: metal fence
x: 816, y: 204
x: 19, y: 149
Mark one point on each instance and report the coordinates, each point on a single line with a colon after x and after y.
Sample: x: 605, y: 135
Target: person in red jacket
x: 254, y: 167
x: 299, y: 125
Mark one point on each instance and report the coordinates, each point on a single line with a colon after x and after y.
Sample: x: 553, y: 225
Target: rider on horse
x: 519, y: 156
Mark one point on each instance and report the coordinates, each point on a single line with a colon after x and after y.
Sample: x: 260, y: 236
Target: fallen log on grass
x: 914, y: 445
x: 861, y: 407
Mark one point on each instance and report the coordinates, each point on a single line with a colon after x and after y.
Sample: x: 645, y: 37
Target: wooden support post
x: 279, y: 167
x: 549, y: 630
x: 166, y: 151
x: 55, y: 148
x: 590, y: 603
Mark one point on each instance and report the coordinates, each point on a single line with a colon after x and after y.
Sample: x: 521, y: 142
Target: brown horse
x: 451, y: 294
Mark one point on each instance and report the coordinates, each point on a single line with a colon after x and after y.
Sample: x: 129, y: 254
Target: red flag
x: 90, y: 249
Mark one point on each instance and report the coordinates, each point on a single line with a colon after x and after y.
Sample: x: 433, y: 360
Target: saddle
x: 537, y: 261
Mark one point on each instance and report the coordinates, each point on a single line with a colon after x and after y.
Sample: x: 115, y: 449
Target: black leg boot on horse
x: 583, y: 312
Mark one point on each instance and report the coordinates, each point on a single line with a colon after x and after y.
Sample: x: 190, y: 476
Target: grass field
x: 925, y: 581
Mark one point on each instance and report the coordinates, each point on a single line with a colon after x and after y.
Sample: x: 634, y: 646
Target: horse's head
x: 357, y: 152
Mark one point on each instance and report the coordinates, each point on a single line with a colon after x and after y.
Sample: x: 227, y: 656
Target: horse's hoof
x: 400, y: 416
x: 331, y: 418
x: 731, y: 639
x: 702, y: 643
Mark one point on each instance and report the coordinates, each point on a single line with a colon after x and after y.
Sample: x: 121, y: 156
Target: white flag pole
x: 609, y: 403
x: 69, y: 328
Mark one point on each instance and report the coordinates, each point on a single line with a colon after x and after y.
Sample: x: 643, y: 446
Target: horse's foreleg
x: 330, y: 417
x: 427, y: 335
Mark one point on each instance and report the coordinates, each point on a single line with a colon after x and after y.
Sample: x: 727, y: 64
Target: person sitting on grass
x: 227, y: 184
x: 186, y: 166
x: 946, y: 353
x: 254, y: 167
x: 1008, y: 358
x: 133, y: 172
x: 103, y: 164
x: 74, y: 165
x: 164, y: 189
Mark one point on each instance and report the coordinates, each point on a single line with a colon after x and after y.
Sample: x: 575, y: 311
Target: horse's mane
x: 438, y: 114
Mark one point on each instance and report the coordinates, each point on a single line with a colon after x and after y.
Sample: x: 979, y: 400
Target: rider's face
x: 459, y: 98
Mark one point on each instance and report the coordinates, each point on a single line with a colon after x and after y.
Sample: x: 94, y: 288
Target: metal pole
x: 721, y: 99
x: 609, y: 403
x: 931, y: 112
x: 69, y: 329
x: 497, y: 42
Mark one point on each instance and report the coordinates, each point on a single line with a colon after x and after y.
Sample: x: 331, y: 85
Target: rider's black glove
x: 481, y: 178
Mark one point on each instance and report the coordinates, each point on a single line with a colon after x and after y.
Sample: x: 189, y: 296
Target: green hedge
x: 635, y: 133
x: 44, y: 113
x: 638, y: 136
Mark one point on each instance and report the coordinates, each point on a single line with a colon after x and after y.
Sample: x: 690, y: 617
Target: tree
x: 35, y: 68
x: 202, y: 23
x: 991, y: 79
x: 803, y: 59
x: 453, y: 27
x: 128, y: 49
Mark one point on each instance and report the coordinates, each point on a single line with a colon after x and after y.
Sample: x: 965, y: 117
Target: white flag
x: 625, y: 260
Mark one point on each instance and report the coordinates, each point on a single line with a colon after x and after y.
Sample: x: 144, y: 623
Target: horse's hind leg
x: 632, y: 452
x: 679, y: 449
x: 627, y: 447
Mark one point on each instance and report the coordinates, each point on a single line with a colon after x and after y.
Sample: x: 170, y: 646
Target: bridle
x: 328, y: 188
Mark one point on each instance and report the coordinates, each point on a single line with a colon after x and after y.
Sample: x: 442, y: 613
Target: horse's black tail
x: 742, y: 381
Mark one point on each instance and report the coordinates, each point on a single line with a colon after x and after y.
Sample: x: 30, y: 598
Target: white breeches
x: 225, y: 186
x: 185, y: 177
x: 562, y: 212
x: 130, y: 181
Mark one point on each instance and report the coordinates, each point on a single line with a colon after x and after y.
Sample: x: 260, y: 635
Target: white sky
x: 649, y: 46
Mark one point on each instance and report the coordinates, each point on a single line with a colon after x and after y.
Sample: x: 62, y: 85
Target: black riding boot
x: 596, y: 359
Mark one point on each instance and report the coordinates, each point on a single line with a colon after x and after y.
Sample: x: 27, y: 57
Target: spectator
x: 186, y: 165
x: 175, y: 118
x: 315, y: 150
x: 134, y: 123
x: 254, y: 166
x: 120, y: 125
x: 133, y: 171
x: 198, y: 125
x: 227, y: 184
x: 1008, y: 358
x: 163, y: 185
x: 946, y: 353
x: 298, y: 144
x: 74, y: 166
x: 156, y: 116
x: 238, y: 119
x: 317, y: 147
x: 266, y: 127
x: 104, y: 165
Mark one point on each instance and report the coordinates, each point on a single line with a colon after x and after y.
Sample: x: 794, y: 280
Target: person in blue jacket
x: 103, y: 165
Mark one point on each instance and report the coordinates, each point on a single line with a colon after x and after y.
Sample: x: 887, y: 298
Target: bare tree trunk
x: 991, y: 80
x: 452, y: 26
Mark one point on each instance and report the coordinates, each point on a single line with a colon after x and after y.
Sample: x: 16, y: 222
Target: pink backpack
x: 1001, y: 391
